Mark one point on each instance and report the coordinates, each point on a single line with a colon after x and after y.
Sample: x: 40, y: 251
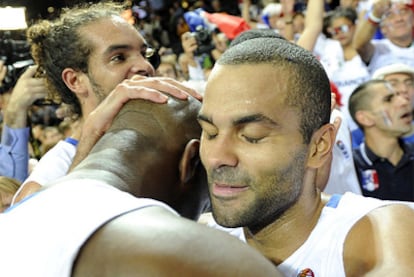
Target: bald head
x: 171, y: 125
x: 151, y: 150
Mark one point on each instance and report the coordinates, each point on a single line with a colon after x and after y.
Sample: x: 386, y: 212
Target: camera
x: 17, y: 58
x: 204, y: 40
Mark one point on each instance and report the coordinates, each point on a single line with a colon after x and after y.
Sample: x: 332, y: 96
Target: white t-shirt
x: 329, y: 53
x: 343, y: 176
x: 347, y: 77
x: 387, y: 53
x: 41, y: 235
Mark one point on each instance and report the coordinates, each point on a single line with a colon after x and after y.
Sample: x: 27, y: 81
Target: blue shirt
x: 14, y: 153
x: 379, y: 178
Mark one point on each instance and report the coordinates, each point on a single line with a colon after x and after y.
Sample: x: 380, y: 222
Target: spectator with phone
x: 14, y: 153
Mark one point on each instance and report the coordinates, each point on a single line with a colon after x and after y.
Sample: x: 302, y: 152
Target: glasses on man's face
x: 343, y: 29
x: 153, y: 57
x: 401, y: 10
x: 407, y: 83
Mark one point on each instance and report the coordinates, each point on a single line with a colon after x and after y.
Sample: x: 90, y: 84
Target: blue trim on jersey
x: 72, y: 141
x: 20, y: 202
x: 334, y: 201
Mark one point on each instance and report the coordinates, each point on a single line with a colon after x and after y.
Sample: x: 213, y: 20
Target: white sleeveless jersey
x: 41, y: 235
x: 322, y: 252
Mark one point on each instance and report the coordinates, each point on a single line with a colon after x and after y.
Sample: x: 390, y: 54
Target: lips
x: 407, y: 117
x: 228, y: 190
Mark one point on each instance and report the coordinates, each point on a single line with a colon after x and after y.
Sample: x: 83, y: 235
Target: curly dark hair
x: 59, y: 44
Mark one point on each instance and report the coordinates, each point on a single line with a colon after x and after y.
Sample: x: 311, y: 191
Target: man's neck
x: 404, y: 42
x: 106, y: 166
x: 387, y: 148
x: 283, y: 237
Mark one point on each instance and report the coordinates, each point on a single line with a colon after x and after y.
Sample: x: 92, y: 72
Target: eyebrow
x: 243, y: 120
x: 117, y: 47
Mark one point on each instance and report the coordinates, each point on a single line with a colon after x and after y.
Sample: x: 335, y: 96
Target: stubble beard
x: 284, y: 187
x: 97, y: 89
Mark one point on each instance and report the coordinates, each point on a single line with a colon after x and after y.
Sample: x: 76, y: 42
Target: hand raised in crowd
x: 149, y: 88
x: 27, y: 90
x: 380, y: 7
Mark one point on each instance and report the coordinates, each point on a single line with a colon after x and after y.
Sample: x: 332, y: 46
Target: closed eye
x: 251, y: 140
x: 389, y: 98
x: 209, y: 136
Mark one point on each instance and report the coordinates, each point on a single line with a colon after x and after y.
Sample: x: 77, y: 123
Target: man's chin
x: 225, y: 219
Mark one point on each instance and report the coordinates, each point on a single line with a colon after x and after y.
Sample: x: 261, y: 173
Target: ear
x: 75, y: 81
x: 364, y: 118
x: 321, y: 146
x: 189, y: 161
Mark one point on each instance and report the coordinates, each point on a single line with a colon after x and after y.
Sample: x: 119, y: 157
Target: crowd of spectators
x: 352, y: 39
x: 285, y: 103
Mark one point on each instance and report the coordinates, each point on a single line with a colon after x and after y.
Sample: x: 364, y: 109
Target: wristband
x: 373, y: 19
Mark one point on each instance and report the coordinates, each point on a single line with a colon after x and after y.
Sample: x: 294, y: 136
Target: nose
x: 141, y: 66
x: 404, y: 98
x: 218, y: 152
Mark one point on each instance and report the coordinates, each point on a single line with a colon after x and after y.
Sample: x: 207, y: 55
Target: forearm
x: 313, y: 24
x: 288, y: 31
x: 364, y: 33
x: 15, y: 116
x: 245, y: 13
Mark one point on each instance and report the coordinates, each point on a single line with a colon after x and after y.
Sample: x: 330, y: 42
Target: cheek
x: 204, y: 151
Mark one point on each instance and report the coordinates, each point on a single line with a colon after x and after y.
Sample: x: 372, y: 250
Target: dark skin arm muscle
x: 155, y: 242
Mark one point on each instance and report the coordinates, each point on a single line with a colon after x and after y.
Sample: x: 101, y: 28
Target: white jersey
x: 387, y: 53
x: 41, y: 235
x: 54, y: 164
x: 322, y: 252
x: 347, y: 77
x: 330, y: 54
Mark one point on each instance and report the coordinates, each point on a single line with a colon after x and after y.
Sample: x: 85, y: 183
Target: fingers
x: 139, y: 87
x: 28, y: 89
x: 164, y: 85
x: 29, y: 72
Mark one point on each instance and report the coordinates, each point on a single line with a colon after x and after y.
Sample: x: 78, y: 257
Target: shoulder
x: 379, y: 239
x: 156, y: 242
x: 408, y: 146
